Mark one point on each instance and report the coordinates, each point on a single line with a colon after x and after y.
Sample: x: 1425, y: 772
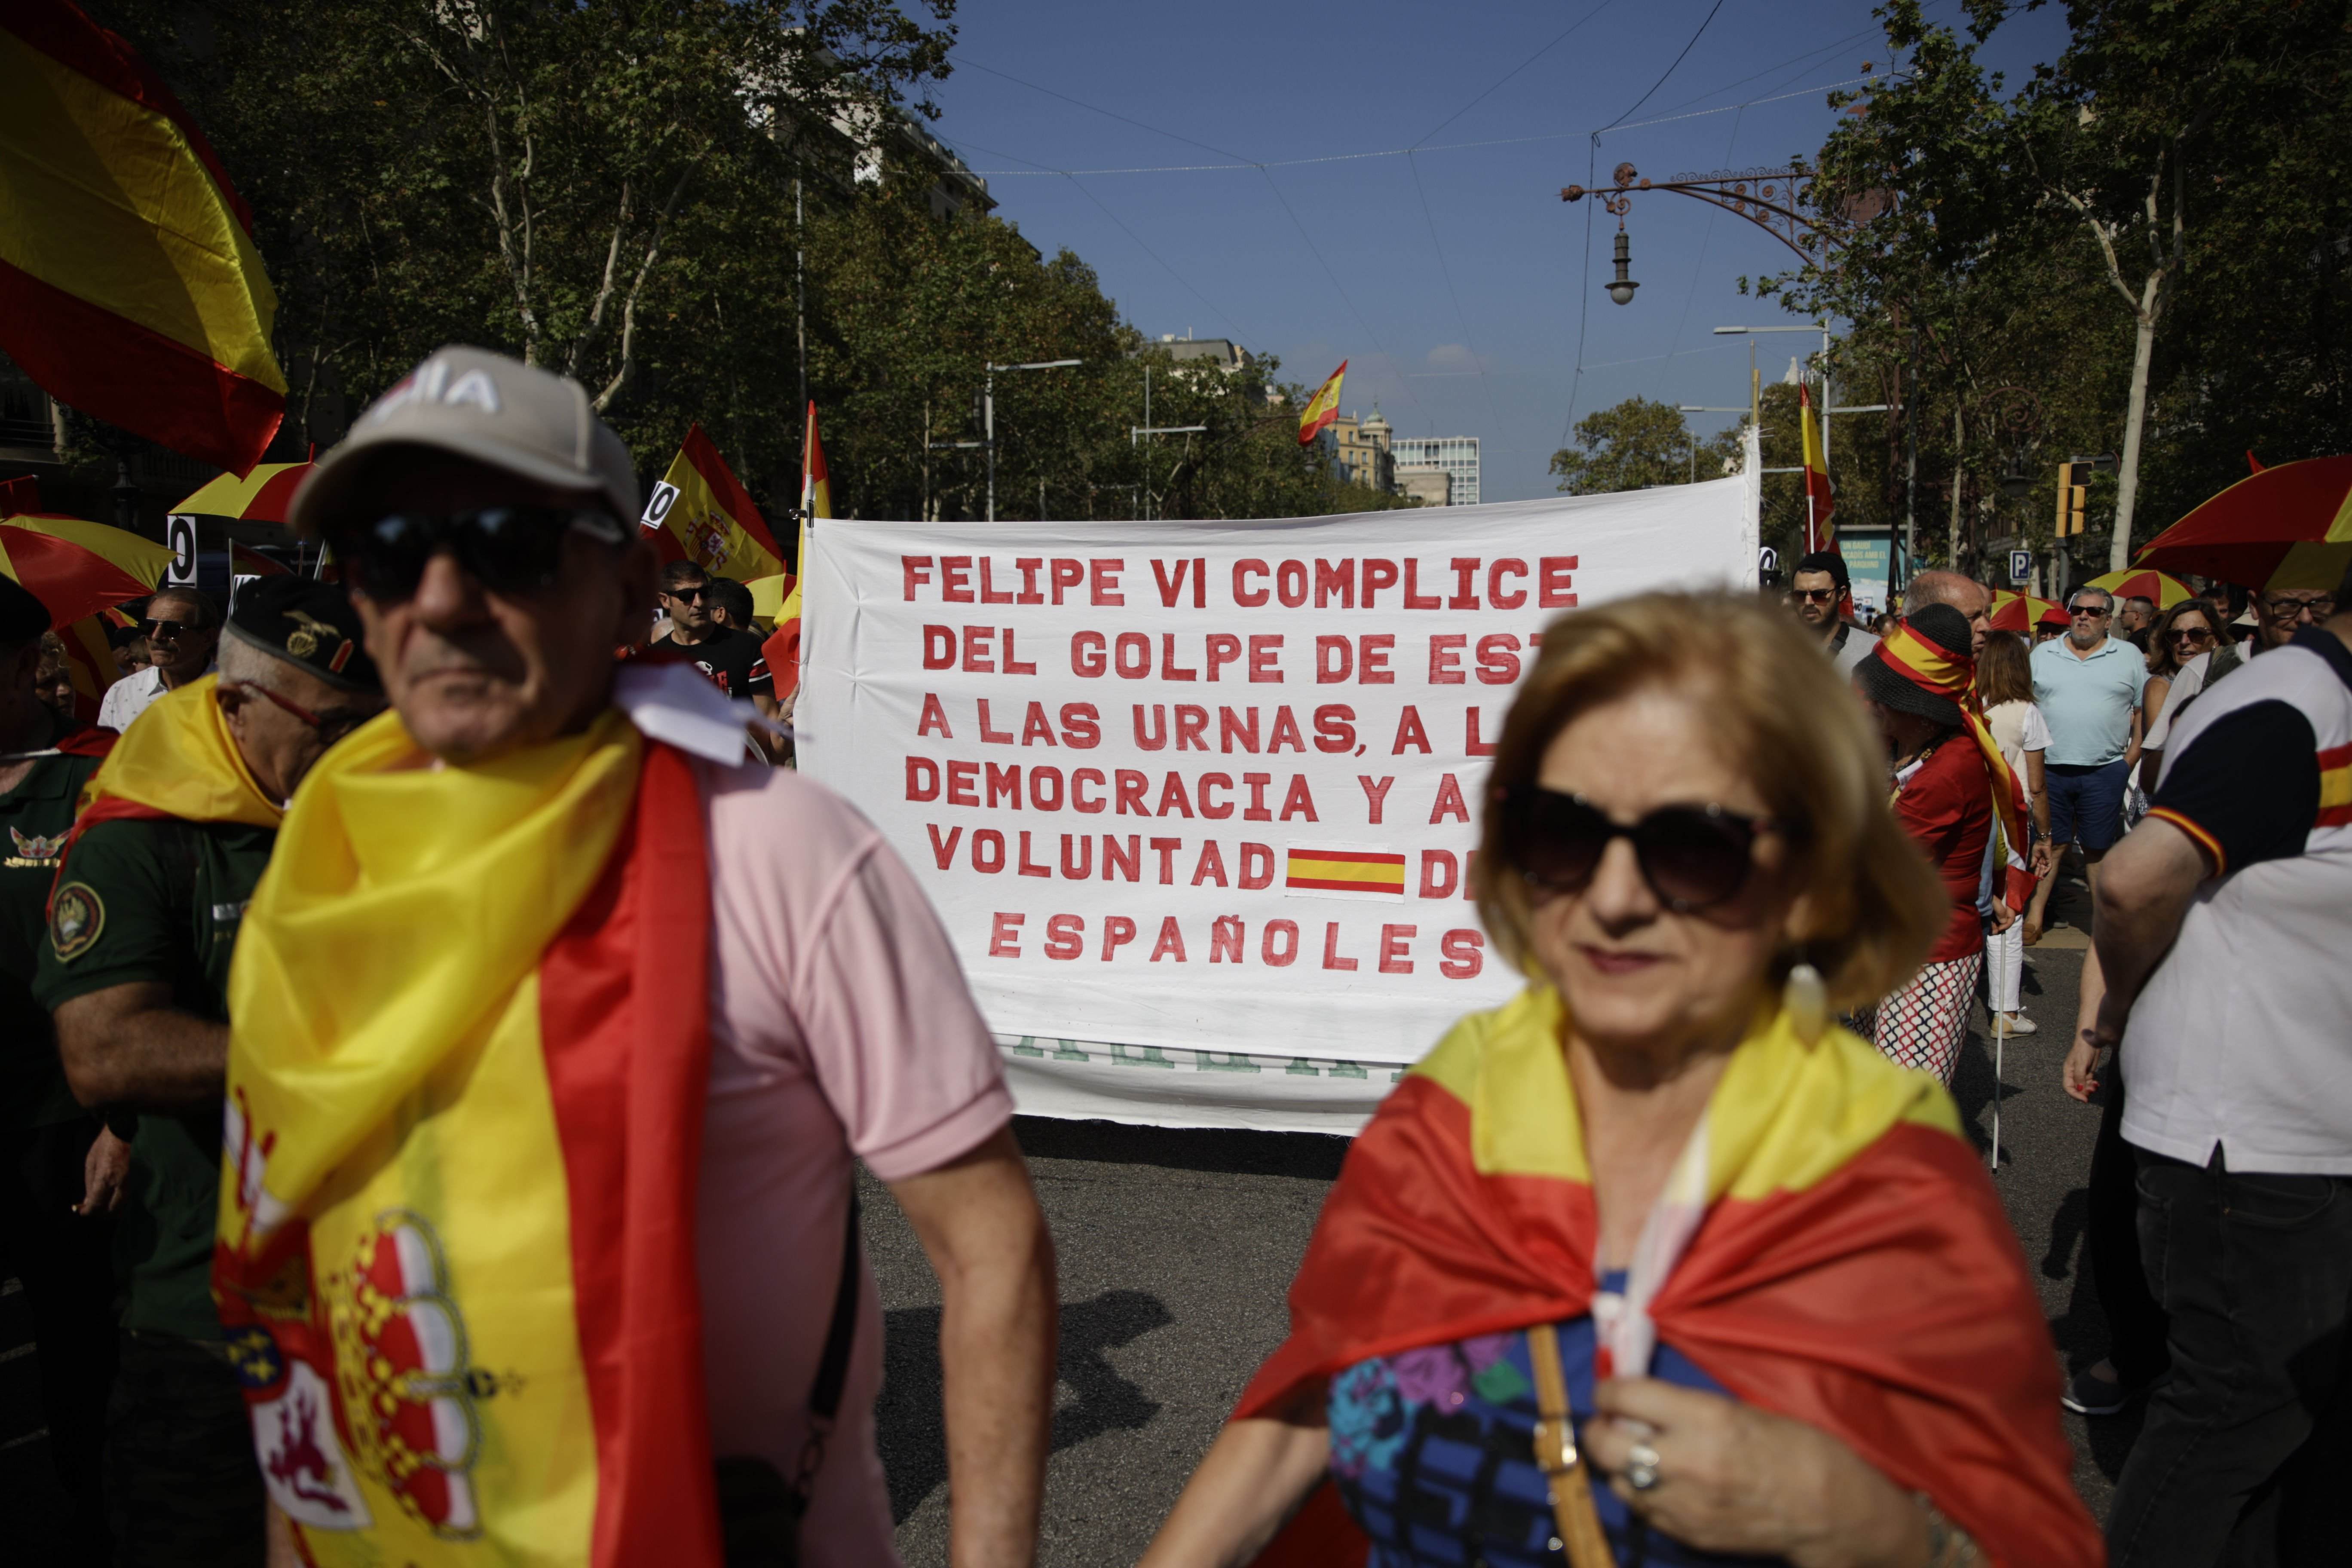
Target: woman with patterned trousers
x: 1950, y: 781
x: 1652, y: 1263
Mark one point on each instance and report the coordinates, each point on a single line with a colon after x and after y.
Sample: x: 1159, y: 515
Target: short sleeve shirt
x: 38, y: 814
x: 2239, y: 1037
x: 735, y: 662
x: 841, y: 1029
x: 2088, y: 703
x: 160, y: 901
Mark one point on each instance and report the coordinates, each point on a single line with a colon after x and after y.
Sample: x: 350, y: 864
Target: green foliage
x: 2174, y: 172
x: 607, y: 188
x: 1637, y: 444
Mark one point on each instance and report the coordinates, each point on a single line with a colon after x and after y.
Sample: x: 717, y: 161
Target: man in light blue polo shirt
x: 2087, y: 685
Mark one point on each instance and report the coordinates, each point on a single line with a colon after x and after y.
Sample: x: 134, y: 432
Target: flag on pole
x: 243, y: 560
x: 89, y: 654
x: 701, y: 512
x: 129, y: 285
x: 783, y: 649
x: 1819, y: 502
x: 1323, y: 407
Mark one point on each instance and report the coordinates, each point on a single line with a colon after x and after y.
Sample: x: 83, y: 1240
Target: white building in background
x: 1456, y: 457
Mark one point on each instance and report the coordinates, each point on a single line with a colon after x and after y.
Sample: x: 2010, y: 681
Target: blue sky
x: 1454, y: 280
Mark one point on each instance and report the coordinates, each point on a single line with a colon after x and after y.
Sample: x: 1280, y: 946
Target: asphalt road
x: 1176, y: 1248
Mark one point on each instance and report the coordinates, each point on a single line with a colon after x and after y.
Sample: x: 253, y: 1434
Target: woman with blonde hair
x: 1654, y: 1261
x: 2005, y: 686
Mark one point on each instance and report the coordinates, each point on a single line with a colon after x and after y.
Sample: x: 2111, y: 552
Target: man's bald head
x: 1966, y: 594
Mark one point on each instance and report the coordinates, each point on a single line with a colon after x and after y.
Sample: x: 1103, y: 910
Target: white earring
x: 1806, y: 1002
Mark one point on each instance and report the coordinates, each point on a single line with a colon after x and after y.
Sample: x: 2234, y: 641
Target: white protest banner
x: 1209, y: 791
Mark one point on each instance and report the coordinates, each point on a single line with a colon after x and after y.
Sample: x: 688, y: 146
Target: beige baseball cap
x: 497, y: 411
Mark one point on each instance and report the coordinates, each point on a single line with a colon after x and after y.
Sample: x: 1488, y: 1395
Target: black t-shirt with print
x: 732, y: 659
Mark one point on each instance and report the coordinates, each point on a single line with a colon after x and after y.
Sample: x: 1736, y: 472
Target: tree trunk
x: 2134, y: 422
x: 1959, y: 434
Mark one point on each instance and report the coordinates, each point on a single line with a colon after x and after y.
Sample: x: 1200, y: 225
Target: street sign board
x: 180, y: 537
x: 2021, y: 565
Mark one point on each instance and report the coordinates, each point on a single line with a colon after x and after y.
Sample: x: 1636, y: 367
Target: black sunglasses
x: 688, y: 596
x: 166, y: 631
x: 1693, y: 857
x: 508, y: 549
x: 1813, y: 596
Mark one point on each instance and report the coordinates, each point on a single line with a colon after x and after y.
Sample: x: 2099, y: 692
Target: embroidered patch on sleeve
x: 75, y: 920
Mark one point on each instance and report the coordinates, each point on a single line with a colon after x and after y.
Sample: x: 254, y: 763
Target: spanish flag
x: 129, y: 285
x: 782, y: 648
x: 1851, y: 1266
x: 1379, y: 873
x: 1323, y: 407
x: 90, y: 658
x: 701, y: 512
x: 76, y: 567
x: 456, y: 1261
x: 1819, y: 502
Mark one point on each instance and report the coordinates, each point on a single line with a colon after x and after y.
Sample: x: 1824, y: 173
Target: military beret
x: 305, y: 623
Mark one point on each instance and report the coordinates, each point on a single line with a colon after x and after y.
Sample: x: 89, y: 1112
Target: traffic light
x: 2074, y: 489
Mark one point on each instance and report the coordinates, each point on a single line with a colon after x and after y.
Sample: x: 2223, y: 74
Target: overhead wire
x: 1515, y: 71
x: 1669, y: 71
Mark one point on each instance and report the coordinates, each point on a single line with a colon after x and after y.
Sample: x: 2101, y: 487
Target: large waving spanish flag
x: 466, y: 1077
x: 1323, y: 407
x: 701, y: 512
x: 1852, y: 1268
x: 1819, y: 500
x: 783, y: 649
x: 130, y: 286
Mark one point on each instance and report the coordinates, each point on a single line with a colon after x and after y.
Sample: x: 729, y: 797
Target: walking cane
x: 1999, y: 1034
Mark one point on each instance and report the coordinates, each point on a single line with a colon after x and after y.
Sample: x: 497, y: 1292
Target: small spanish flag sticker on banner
x: 1323, y: 407
x: 1345, y: 873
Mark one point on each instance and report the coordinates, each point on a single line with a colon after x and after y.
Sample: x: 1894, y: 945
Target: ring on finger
x: 1641, y: 1466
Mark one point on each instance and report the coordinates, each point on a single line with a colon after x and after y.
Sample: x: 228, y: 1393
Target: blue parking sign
x: 2021, y: 565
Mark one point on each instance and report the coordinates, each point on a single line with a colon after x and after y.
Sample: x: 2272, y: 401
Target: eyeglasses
x: 1814, y: 595
x: 2282, y: 608
x: 2191, y: 633
x: 331, y: 725
x: 166, y: 631
x: 687, y: 595
x: 2094, y: 611
x: 1693, y: 857
x: 508, y: 549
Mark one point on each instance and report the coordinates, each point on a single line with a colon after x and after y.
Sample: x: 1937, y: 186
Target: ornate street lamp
x: 1621, y: 289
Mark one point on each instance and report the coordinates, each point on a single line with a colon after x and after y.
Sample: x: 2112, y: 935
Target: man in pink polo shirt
x: 483, y: 514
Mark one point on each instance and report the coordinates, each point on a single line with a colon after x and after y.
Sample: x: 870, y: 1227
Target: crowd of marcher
x: 439, y: 1047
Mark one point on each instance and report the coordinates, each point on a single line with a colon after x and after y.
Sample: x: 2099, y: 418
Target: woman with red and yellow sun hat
x: 1653, y: 1263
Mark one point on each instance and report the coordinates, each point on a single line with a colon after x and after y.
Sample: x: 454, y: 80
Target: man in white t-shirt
x: 2224, y: 919
x: 183, y: 630
x: 486, y: 518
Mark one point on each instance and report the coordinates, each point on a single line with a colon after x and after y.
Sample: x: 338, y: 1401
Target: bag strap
x: 1564, y: 1466
x: 832, y: 1365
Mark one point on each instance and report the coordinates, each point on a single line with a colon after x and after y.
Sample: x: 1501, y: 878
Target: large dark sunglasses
x: 508, y: 549
x: 166, y: 631
x: 1693, y: 857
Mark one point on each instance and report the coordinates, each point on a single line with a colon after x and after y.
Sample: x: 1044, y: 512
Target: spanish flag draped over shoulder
x: 129, y: 285
x: 1323, y: 407
x: 701, y: 512
x: 782, y: 648
x: 466, y: 1079
x: 1852, y: 1269
x: 1819, y: 503
x: 179, y: 760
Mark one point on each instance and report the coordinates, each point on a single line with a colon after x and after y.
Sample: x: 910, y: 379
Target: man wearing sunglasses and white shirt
x: 569, y: 1027
x: 183, y: 631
